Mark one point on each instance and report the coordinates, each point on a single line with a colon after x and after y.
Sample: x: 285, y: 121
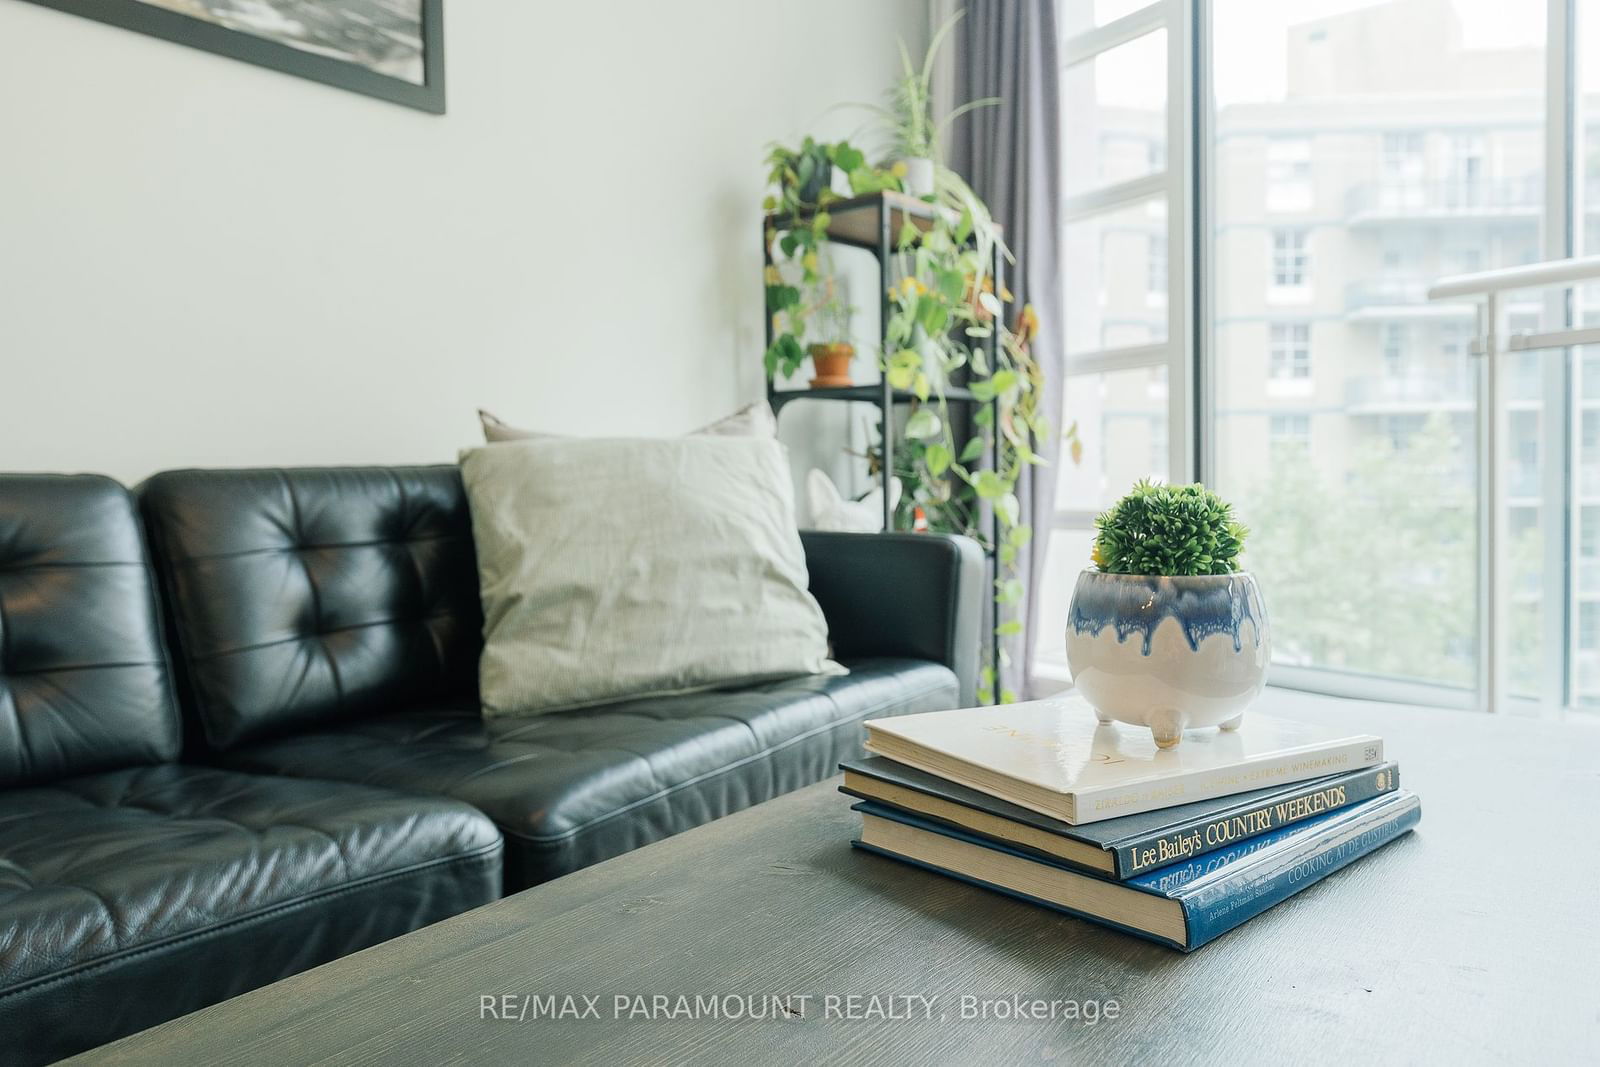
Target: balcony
x: 1386, y: 293
x: 1497, y: 198
x: 1409, y: 393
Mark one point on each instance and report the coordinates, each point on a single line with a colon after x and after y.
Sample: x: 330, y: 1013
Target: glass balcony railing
x: 1485, y: 196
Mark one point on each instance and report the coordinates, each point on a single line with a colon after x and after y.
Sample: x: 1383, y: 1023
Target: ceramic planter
x: 918, y: 180
x: 1168, y: 653
x: 831, y: 364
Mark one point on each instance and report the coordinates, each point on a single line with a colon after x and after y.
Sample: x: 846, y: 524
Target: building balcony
x: 1386, y: 201
x: 1385, y: 395
x: 1399, y: 298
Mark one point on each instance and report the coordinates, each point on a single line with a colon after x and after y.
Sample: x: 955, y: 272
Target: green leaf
x: 900, y: 377
x: 937, y: 458
x: 908, y: 235
x: 1008, y: 696
x: 989, y: 485
x: 781, y: 298
x: 1009, y: 591
x: 982, y: 389
x: 1003, y: 381
x: 952, y: 285
x: 932, y: 315
x: 1008, y: 509
x: 973, y: 449
x: 964, y: 227
x: 847, y: 157
x: 921, y: 386
x: 922, y: 425
x: 1009, y: 628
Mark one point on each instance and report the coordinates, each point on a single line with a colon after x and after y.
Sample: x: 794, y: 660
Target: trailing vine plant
x: 948, y: 320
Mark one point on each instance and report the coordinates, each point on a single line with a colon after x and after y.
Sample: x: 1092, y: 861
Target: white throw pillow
x: 752, y: 420
x: 621, y: 568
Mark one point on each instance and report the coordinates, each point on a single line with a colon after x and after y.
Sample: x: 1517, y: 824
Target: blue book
x: 1182, y: 906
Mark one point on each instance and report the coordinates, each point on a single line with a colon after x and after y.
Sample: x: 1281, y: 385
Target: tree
x: 1376, y: 575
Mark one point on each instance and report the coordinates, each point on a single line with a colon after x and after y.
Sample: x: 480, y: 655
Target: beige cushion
x: 618, y: 568
x: 752, y: 420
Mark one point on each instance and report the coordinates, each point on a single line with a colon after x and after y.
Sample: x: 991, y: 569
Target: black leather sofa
x: 134, y: 888
x: 325, y: 624
x: 299, y: 770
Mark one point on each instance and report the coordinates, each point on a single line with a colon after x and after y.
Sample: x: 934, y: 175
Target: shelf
x: 854, y: 220
x: 861, y: 394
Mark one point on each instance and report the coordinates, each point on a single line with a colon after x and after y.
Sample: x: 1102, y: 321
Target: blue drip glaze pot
x: 1168, y: 653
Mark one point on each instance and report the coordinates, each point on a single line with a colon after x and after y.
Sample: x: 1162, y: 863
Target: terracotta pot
x: 832, y: 364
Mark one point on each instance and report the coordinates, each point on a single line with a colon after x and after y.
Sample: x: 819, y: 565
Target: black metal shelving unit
x: 871, y: 222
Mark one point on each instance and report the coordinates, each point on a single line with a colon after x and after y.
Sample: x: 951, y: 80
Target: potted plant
x: 1166, y: 631
x: 828, y: 322
x: 914, y: 133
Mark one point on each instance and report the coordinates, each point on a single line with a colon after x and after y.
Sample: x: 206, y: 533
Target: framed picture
x: 391, y: 49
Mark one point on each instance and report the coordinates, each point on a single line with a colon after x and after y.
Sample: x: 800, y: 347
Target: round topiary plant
x: 1172, y: 530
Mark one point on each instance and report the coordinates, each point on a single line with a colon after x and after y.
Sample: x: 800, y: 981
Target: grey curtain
x: 1011, y: 156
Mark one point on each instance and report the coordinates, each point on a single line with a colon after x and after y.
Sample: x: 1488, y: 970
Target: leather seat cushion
x: 133, y: 896
x: 572, y: 788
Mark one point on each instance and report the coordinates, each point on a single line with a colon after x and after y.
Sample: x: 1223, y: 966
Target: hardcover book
x: 1053, y: 757
x: 1124, y: 846
x: 1182, y: 906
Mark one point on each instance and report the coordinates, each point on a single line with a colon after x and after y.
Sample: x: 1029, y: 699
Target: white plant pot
x: 1168, y: 653
x: 918, y: 181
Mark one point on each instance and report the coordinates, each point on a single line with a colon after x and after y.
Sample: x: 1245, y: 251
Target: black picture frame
x: 184, y: 29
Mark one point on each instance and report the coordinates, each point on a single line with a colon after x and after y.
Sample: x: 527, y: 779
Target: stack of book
x: 1180, y: 845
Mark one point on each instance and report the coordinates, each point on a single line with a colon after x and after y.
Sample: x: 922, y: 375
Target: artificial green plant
x: 1171, y: 530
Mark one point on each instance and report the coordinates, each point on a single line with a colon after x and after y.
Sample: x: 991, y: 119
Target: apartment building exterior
x: 1395, y: 155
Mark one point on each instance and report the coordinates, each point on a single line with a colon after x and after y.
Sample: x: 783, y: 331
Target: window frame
x: 1404, y: 161
x: 1175, y: 186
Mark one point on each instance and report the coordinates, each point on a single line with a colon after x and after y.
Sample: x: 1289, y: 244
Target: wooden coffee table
x: 1474, y: 938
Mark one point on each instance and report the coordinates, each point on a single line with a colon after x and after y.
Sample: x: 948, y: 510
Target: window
x: 1402, y: 152
x: 1128, y: 330
x: 1416, y: 166
x: 1289, y: 174
x: 1394, y: 350
x: 1288, y: 258
x: 1467, y: 169
x: 1289, y: 351
x: 1412, y: 138
x: 1156, y: 280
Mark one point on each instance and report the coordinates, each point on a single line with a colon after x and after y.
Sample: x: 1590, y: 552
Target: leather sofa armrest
x: 901, y: 594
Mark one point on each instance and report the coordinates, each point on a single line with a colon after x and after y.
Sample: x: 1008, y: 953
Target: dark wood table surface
x: 1476, y: 938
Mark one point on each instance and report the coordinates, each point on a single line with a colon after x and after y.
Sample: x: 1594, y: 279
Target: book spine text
x: 1180, y: 843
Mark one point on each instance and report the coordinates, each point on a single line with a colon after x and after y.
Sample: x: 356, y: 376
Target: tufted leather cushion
x: 303, y: 597
x: 133, y: 896
x: 572, y: 788
x: 83, y: 678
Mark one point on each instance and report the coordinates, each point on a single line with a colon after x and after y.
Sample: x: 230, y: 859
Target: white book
x: 1053, y: 757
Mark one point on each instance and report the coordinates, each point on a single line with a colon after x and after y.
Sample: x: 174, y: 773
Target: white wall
x: 206, y: 263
